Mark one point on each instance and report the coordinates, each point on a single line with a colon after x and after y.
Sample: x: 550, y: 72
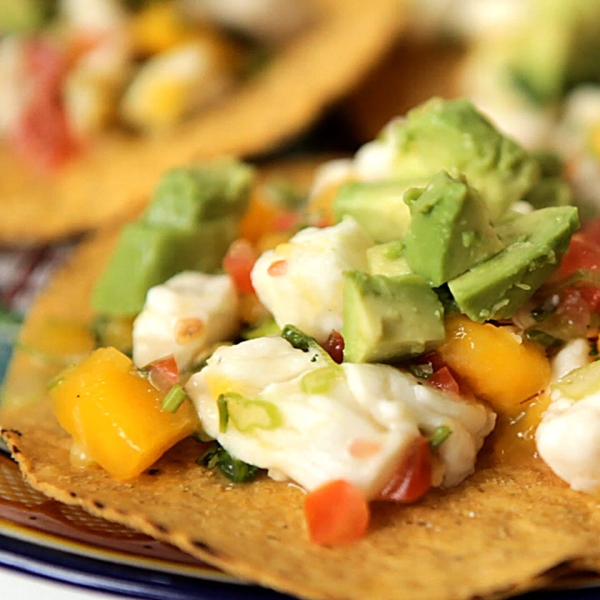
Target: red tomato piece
x: 42, y: 134
x: 238, y: 263
x: 591, y: 231
x: 412, y: 478
x: 574, y: 311
x: 583, y: 253
x: 443, y: 379
x: 163, y: 373
x: 336, y: 513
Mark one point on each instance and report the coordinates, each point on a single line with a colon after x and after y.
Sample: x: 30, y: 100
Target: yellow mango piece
x: 498, y: 365
x: 158, y: 27
x: 115, y: 415
x: 258, y: 218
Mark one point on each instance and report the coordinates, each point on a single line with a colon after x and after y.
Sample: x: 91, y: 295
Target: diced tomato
x: 238, y: 263
x: 583, y: 253
x: 334, y: 346
x: 444, y: 379
x: 592, y: 297
x: 412, y: 478
x: 591, y: 231
x: 336, y: 513
x: 574, y: 312
x: 42, y: 134
x: 163, y: 373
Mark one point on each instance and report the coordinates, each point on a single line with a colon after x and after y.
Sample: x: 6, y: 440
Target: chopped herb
x: 174, y: 398
x: 297, y: 338
x: 248, y: 414
x: 234, y: 469
x: 223, y: 413
x: 593, y: 342
x: 439, y: 436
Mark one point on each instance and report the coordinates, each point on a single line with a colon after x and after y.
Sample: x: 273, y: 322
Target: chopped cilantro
x: 174, y: 398
x: 234, y: 469
x: 297, y: 338
x: 439, y: 436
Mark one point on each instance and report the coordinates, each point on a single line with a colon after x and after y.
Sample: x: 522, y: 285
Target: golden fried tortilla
x: 512, y: 526
x: 411, y: 72
x: 118, y: 171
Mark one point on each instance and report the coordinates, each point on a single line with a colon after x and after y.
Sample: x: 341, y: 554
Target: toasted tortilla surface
x: 118, y: 171
x: 512, y: 526
x: 411, y: 72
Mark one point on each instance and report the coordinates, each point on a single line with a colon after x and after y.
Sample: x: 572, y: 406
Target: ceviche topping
x: 429, y: 291
x: 73, y: 69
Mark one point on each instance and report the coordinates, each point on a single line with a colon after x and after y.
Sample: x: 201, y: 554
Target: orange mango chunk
x: 498, y: 365
x: 115, y: 414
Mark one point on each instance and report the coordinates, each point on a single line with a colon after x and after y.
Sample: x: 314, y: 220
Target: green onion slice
x: 174, y: 398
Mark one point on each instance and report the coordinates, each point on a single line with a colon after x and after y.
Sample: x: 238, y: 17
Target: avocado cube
x: 192, y: 219
x: 187, y: 196
x: 535, y: 243
x: 147, y: 255
x: 553, y: 49
x: 449, y: 231
x: 389, y: 318
x: 453, y: 135
x: 388, y: 259
x: 377, y: 205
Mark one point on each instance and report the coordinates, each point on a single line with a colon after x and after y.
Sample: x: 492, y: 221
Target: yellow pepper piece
x: 498, y: 366
x: 115, y: 415
x: 158, y: 27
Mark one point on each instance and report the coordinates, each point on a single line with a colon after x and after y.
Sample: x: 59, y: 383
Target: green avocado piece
x: 147, y: 255
x: 452, y: 135
x: 449, y: 231
x: 25, y: 15
x: 378, y: 206
x: 554, y: 48
x: 192, y: 219
x: 187, y: 196
x: 389, y: 318
x: 388, y: 259
x: 535, y: 242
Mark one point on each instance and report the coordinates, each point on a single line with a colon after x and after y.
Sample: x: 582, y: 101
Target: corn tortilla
x: 411, y: 72
x: 312, y: 71
x: 510, y: 527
